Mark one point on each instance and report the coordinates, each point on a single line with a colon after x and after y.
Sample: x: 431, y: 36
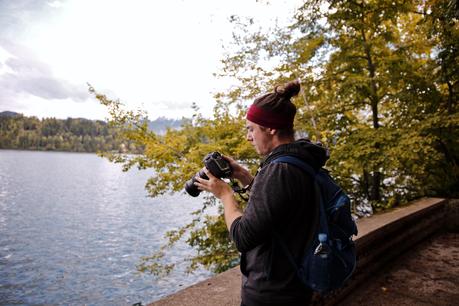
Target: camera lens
x: 191, y: 188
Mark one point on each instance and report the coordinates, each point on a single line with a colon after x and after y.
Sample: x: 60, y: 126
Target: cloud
x: 16, y: 15
x: 174, y: 105
x: 26, y: 74
x: 55, y: 4
x: 42, y: 86
x: 22, y: 73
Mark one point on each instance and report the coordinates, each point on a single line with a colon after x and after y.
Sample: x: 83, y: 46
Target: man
x: 280, y: 207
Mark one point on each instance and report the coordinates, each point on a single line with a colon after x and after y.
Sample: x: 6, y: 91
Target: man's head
x: 270, y: 118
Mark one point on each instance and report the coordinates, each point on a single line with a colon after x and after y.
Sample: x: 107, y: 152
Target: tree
x: 81, y: 135
x: 176, y: 156
x: 379, y: 94
x: 366, y: 70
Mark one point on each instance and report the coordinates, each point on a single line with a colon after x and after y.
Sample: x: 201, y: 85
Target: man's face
x: 260, y: 137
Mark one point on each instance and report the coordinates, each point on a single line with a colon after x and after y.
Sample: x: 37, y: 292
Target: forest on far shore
x: 72, y: 134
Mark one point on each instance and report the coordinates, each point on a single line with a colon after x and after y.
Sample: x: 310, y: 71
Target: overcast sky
x: 157, y: 55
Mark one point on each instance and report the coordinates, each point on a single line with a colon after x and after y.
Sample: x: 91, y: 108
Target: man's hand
x: 240, y: 173
x: 223, y: 191
x: 214, y: 185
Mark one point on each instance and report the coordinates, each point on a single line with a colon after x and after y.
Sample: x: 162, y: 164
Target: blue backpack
x: 330, y: 258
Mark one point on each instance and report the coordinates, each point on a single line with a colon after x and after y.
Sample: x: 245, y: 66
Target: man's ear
x: 272, y: 131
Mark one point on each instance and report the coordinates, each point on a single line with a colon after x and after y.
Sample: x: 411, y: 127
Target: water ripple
x: 74, y: 226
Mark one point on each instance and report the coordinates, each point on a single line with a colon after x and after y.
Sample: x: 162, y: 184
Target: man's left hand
x: 214, y: 185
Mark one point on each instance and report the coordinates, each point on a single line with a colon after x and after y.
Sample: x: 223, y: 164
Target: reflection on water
x: 73, y: 226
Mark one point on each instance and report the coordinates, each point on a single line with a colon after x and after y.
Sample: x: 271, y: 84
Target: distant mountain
x: 9, y: 114
x: 161, y: 124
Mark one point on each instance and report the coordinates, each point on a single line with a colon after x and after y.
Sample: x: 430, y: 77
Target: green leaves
x: 379, y: 88
x: 175, y: 158
x: 76, y: 135
x: 378, y: 79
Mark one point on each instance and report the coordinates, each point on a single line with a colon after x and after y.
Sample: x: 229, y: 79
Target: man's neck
x: 280, y: 141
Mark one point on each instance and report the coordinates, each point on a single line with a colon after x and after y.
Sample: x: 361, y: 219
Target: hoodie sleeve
x: 269, y: 198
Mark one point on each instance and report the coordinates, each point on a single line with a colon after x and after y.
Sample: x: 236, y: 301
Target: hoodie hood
x: 314, y: 154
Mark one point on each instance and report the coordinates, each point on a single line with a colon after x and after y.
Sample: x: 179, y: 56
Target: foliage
x: 176, y: 156
x: 373, y: 85
x: 49, y: 134
x: 72, y: 134
x: 380, y: 88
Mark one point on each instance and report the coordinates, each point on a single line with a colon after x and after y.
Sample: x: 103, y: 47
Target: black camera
x: 216, y: 164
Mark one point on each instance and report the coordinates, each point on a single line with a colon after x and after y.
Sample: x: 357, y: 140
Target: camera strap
x: 242, y: 191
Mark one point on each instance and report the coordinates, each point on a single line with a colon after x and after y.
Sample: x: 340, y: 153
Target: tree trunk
x: 450, y: 98
x: 375, y: 194
x: 365, y: 184
x: 375, y: 187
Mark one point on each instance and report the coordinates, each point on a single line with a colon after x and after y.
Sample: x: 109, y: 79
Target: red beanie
x: 269, y: 118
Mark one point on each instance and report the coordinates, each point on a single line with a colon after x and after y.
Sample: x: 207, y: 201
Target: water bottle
x: 323, y: 249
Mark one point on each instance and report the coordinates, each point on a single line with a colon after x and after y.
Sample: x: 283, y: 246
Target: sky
x: 159, y: 56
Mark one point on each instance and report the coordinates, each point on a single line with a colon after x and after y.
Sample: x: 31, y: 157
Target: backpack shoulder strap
x: 323, y: 224
x: 296, y: 162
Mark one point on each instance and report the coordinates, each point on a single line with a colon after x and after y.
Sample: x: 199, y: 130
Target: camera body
x: 216, y: 164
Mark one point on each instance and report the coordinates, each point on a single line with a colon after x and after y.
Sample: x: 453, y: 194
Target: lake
x: 73, y: 226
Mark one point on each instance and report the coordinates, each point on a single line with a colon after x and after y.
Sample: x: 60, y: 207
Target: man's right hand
x: 240, y: 173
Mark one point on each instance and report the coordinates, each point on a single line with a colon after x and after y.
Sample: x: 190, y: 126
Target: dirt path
x: 426, y: 275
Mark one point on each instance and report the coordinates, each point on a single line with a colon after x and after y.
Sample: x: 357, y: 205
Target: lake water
x: 73, y: 227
